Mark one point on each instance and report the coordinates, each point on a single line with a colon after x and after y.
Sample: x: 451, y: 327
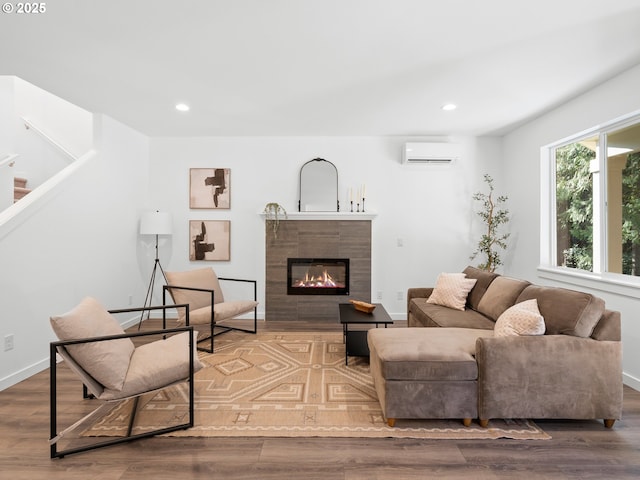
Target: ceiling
x: 321, y: 67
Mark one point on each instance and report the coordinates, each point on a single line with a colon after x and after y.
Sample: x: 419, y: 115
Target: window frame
x: 600, y: 278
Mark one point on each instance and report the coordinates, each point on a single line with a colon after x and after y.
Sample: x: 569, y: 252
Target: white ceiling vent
x: 430, y: 153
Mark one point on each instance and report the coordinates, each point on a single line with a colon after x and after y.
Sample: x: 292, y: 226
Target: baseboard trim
x: 20, y: 375
x: 631, y: 381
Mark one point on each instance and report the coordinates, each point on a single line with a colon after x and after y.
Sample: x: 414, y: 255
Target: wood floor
x: 578, y: 450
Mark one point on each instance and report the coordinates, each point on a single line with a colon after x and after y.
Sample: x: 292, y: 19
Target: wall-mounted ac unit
x: 430, y: 153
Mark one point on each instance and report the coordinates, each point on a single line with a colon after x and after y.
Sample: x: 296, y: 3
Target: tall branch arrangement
x: 493, y: 215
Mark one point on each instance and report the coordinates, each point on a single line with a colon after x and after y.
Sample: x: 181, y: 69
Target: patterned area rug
x: 289, y: 385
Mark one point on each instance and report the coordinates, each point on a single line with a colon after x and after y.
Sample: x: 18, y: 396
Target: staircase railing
x: 7, y: 188
x: 8, y: 160
x: 30, y: 126
x: 19, y: 211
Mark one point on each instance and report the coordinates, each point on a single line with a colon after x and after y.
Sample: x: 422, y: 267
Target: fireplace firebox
x: 318, y: 276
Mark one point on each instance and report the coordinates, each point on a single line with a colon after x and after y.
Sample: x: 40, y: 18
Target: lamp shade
x: 155, y: 223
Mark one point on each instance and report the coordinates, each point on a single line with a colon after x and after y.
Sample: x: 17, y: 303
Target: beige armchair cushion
x: 221, y: 311
x: 200, y: 302
x: 106, y: 361
x: 199, y: 278
x: 157, y: 364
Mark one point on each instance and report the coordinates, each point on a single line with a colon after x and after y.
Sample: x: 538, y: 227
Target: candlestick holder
x: 362, y: 204
x: 352, y: 205
x: 358, y: 205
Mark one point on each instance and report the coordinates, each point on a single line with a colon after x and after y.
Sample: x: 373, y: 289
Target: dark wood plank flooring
x: 578, y: 450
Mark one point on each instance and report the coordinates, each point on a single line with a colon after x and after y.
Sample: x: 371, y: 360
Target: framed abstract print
x: 210, y: 188
x: 210, y: 240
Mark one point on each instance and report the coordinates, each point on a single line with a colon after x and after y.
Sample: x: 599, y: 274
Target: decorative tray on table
x: 363, y: 306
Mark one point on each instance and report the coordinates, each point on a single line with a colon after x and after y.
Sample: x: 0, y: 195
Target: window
x: 574, y: 204
x: 594, y: 200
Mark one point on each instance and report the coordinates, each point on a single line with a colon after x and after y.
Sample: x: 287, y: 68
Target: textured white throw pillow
x: 451, y: 290
x: 521, y: 319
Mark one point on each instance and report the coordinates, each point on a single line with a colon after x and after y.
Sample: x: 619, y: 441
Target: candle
x: 364, y: 190
x: 350, y: 194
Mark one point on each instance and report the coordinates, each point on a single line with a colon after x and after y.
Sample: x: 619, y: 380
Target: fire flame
x: 321, y: 281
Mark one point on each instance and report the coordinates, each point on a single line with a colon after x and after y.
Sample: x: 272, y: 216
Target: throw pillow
x: 521, y: 319
x: 106, y: 361
x: 451, y: 290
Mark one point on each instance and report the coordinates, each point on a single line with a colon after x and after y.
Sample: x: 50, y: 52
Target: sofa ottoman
x: 426, y: 372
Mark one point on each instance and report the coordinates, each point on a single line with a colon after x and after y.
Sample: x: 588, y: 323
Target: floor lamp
x: 154, y: 223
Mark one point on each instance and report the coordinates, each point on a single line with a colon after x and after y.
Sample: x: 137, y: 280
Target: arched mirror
x: 318, y: 187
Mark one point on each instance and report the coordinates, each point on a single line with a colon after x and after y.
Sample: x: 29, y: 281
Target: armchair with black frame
x: 200, y: 289
x: 112, y: 369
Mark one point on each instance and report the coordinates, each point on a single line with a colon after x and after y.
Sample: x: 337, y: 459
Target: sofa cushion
x: 501, y: 294
x: 521, y: 319
x: 567, y: 312
x: 483, y: 280
x: 609, y: 327
x: 451, y: 290
x: 422, y: 354
x: 430, y: 315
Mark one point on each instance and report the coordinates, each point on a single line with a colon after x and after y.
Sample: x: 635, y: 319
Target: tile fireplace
x: 346, y: 239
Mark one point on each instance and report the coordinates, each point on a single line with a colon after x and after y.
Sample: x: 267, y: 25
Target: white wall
x: 6, y: 141
x: 81, y: 240
x: 427, y: 208
x: 7, y: 110
x: 522, y: 174
x: 62, y: 120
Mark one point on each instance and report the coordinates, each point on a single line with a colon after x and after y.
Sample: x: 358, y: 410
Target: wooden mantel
x: 326, y: 216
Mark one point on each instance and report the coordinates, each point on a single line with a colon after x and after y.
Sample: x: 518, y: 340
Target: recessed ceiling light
x: 182, y: 107
x: 449, y: 107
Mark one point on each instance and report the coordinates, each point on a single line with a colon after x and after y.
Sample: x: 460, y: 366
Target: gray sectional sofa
x: 462, y: 370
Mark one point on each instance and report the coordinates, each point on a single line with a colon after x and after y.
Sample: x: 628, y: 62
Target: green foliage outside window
x: 631, y: 216
x: 574, y: 206
x: 574, y: 209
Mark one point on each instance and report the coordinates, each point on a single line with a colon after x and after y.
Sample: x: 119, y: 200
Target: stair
x: 19, y: 188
